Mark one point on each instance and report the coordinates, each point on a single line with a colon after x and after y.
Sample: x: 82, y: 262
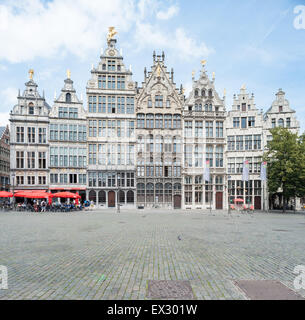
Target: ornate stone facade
x: 159, y: 138
x: 29, y: 140
x: 144, y: 146
x: 204, y: 145
x: 68, y: 142
x: 111, y: 131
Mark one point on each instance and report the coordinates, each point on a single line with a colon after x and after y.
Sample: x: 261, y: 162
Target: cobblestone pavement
x: 106, y: 255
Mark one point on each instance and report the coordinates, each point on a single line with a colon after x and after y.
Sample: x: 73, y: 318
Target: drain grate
x: 267, y: 290
x: 170, y: 289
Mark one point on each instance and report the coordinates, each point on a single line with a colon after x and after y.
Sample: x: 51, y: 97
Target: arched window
x: 150, y: 121
x: 203, y: 93
x: 210, y: 108
x: 121, y: 196
x: 196, y: 93
x: 130, y: 196
x: 281, y: 123
x: 168, y: 121
x: 177, y: 121
x: 206, y: 107
x: 210, y: 93
x: 159, y: 121
x: 102, y: 197
x: 31, y: 108
x: 149, y: 193
x: 68, y: 97
x: 159, y: 192
x: 140, y: 192
x: 168, y: 192
x: 92, y: 196
x: 140, y: 120
x: 177, y: 188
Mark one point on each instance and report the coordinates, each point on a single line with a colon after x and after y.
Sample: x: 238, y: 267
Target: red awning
x: 5, y: 194
x: 239, y: 200
x: 66, y: 195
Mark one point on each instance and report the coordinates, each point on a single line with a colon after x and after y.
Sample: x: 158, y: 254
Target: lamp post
x: 13, y: 184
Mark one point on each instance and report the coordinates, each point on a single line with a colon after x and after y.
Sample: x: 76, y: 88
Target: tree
x: 286, y: 164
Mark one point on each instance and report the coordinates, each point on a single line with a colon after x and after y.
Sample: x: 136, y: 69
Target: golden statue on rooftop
x: 68, y: 74
x: 158, y: 71
x: 203, y: 62
x: 31, y: 73
x: 111, y: 33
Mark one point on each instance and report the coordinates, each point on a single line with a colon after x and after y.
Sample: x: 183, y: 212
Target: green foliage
x: 286, y: 163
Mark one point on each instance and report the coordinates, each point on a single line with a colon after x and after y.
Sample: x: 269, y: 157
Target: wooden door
x: 258, y: 203
x: 111, y: 199
x: 177, y: 201
x: 219, y: 200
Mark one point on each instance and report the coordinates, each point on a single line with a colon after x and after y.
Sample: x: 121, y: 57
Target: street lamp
x: 13, y: 181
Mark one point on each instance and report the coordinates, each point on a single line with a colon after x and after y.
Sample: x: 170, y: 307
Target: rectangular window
x: 219, y: 129
x: 42, y: 160
x: 31, y: 160
x: 251, y: 122
x: 236, y: 122
x: 130, y: 105
x: 31, y: 135
x: 244, y: 123
x: 188, y: 129
x: 159, y: 101
x: 198, y: 129
x: 209, y: 129
x: 231, y: 143
x: 19, y: 134
x: 42, y: 135
x: 20, y: 159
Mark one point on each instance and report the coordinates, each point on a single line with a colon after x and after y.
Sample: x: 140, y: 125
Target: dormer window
x: 31, y: 108
x: 280, y: 108
x: 210, y: 93
x: 196, y: 93
x: 68, y: 97
x: 244, y: 107
x: 203, y: 93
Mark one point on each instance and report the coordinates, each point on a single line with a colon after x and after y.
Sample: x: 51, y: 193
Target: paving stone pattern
x: 109, y: 255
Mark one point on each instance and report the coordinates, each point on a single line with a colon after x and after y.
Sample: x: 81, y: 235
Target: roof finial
x: 31, y: 73
x: 68, y: 74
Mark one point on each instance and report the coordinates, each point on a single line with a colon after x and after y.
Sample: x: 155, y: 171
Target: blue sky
x: 251, y: 42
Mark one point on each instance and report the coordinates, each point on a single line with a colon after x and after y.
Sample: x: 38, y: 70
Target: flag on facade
x: 246, y: 171
x: 207, y: 171
x: 264, y: 171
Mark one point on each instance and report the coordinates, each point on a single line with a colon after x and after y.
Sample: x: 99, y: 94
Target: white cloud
x: 8, y: 98
x: 4, y: 116
x: 32, y: 29
x: 185, y: 47
x: 169, y: 13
